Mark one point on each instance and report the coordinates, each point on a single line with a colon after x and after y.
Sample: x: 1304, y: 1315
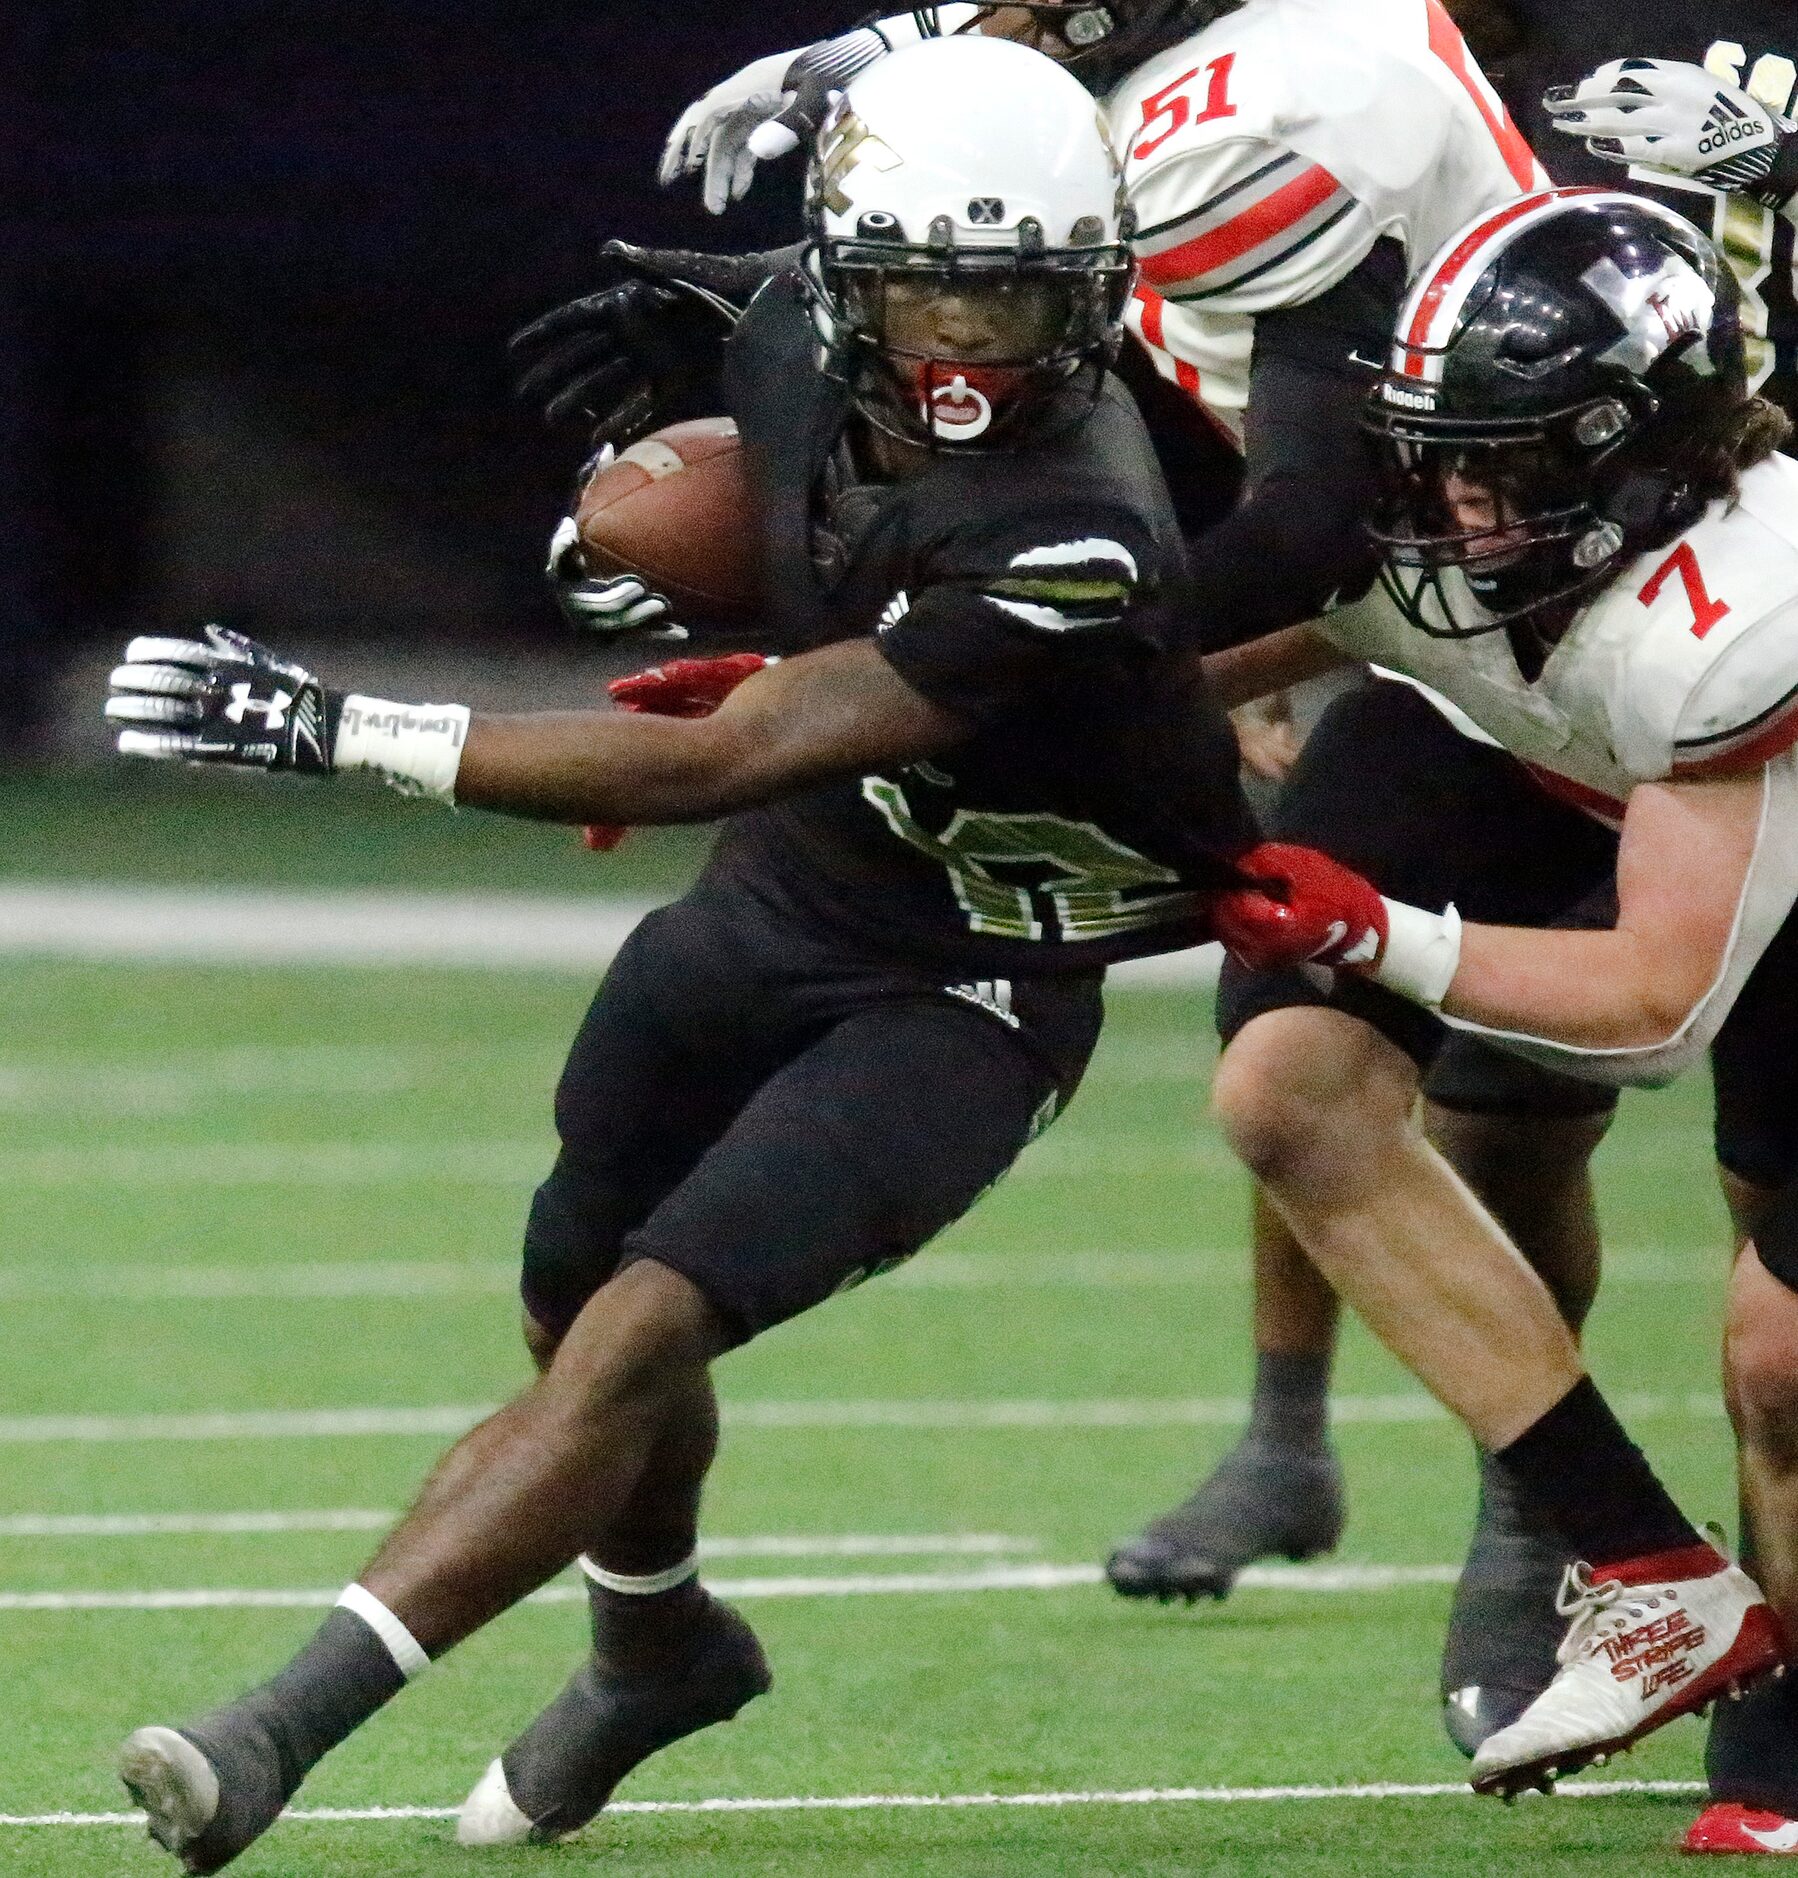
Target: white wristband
x: 1423, y: 952
x: 415, y: 747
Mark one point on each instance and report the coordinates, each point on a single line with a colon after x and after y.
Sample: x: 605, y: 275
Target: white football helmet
x: 970, y: 262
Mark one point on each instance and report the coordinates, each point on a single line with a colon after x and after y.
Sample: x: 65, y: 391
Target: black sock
x: 634, y: 1635
x: 1751, y: 1757
x: 1593, y: 1483
x: 1290, y: 1406
x: 325, y: 1693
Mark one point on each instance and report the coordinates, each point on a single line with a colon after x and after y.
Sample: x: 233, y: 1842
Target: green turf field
x: 1057, y: 1369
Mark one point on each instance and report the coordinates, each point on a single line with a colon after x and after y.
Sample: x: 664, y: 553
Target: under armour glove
x: 646, y: 345
x: 1683, y: 119
x: 607, y: 606
x: 1308, y: 909
x: 224, y: 699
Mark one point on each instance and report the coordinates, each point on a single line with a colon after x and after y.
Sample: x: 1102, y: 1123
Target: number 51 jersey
x: 1267, y: 155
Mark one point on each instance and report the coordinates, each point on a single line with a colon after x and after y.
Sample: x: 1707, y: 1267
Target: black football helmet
x: 1549, y: 362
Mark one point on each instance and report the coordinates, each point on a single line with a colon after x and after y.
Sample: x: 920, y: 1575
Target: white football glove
x: 1682, y: 119
x: 224, y: 699
x: 769, y: 107
x: 607, y: 606
x: 712, y: 134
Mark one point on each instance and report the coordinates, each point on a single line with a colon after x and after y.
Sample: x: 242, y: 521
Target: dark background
x: 257, y: 266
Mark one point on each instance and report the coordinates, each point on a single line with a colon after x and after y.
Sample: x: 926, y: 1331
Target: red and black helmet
x: 1551, y: 356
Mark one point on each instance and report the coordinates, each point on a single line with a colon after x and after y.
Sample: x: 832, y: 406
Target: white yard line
x: 301, y: 1283
x: 248, y: 926
x: 1196, y: 1412
x: 371, y: 1519
x: 950, y: 1802
x: 1353, y: 1580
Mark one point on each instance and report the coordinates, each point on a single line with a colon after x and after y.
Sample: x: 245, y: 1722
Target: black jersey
x: 1096, y: 800
x: 1754, y: 42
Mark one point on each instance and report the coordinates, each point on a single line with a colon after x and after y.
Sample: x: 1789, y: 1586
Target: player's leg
x: 846, y: 1161
x: 623, y: 1385
x: 1386, y: 783
x: 1523, y: 1139
x: 1752, y: 1756
x: 1320, y: 1106
x: 1278, y: 1492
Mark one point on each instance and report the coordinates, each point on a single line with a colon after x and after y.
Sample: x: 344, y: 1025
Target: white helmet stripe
x: 1440, y: 294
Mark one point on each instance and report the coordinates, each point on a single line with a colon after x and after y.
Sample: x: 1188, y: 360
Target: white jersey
x: 1685, y: 667
x: 1267, y: 155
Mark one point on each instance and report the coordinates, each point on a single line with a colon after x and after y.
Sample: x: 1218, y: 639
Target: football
x: 675, y: 508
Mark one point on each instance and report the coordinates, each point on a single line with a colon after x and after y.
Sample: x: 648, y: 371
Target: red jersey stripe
x: 1261, y: 222
x: 1448, y: 45
x: 1186, y: 374
x: 1745, y: 758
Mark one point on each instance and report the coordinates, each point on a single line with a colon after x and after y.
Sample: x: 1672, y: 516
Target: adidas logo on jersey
x: 992, y: 995
x: 894, y: 611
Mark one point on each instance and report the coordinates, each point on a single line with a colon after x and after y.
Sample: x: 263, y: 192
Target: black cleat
x: 562, y: 1770
x: 210, y: 1791
x: 1503, y: 1629
x: 1260, y: 1501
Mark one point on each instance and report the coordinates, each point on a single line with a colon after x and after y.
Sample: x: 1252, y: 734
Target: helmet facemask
x: 958, y: 349
x: 1518, y: 507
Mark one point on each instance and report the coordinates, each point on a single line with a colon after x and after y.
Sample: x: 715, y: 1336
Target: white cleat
x: 490, y: 1816
x: 173, y: 1782
x: 1651, y: 1640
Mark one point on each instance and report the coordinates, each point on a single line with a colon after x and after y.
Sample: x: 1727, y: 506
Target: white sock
x: 402, y: 1646
x: 644, y: 1587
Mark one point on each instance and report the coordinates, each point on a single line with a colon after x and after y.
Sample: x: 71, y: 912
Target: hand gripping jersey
x: 1754, y: 44
x: 1267, y: 155
x: 1684, y: 668
x: 1095, y: 803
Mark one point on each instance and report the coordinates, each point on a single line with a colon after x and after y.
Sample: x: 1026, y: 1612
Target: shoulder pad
x: 1709, y: 681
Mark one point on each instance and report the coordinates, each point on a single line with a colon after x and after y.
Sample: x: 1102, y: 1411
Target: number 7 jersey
x: 1684, y: 667
x: 1267, y: 156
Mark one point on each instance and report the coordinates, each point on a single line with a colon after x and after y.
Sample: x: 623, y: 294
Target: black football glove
x: 636, y: 353
x: 225, y: 699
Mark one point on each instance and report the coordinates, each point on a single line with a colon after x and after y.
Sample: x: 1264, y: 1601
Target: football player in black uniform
x: 985, y: 783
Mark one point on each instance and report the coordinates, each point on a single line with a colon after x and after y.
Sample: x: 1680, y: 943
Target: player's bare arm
x: 1682, y: 870
x: 1633, y: 989
x: 836, y: 712
x: 1262, y: 667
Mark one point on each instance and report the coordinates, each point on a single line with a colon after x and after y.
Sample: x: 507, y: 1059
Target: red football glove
x: 680, y: 688
x: 1309, y: 910
x: 685, y: 687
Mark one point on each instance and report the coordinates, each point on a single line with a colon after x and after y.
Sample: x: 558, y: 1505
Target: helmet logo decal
x: 847, y: 143
x: 1656, y: 311
x: 986, y: 212
x: 958, y: 412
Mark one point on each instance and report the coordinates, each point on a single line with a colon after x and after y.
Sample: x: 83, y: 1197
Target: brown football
x: 676, y: 509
